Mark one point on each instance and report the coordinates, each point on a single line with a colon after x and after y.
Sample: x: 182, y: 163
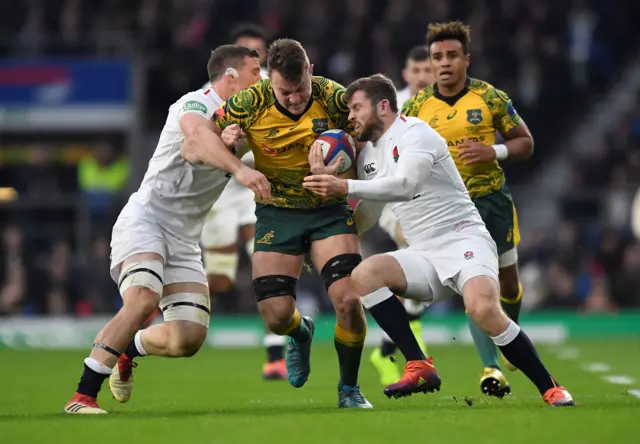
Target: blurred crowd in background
x: 553, y: 58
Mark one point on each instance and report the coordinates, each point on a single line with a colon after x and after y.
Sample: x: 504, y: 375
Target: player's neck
x: 452, y: 90
x: 387, y: 123
x: 222, y: 90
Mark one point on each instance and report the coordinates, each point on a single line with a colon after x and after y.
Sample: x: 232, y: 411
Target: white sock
x: 137, y: 340
x: 97, y: 367
x: 273, y: 340
x: 507, y: 336
x: 377, y: 297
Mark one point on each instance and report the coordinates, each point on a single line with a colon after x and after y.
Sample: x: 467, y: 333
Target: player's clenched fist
x: 326, y: 185
x: 231, y: 135
x: 316, y: 161
x: 256, y: 181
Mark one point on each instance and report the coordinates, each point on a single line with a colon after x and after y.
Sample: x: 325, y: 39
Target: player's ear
x: 467, y: 60
x: 404, y: 75
x: 311, y: 68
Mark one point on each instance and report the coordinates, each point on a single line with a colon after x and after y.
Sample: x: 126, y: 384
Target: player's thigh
x: 418, y: 280
x: 186, y: 293
x: 499, y: 215
x: 335, y: 246
x: 280, y: 230
x: 138, y: 251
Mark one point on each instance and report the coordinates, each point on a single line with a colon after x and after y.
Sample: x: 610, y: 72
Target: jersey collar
x: 451, y: 100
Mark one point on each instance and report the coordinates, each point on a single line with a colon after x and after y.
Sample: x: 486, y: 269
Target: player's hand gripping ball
x: 332, y: 148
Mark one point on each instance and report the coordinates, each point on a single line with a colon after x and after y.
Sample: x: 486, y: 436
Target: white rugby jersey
x: 411, y: 168
x: 174, y: 194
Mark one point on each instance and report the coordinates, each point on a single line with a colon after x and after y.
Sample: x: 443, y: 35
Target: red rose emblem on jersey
x: 468, y: 255
x: 396, y: 155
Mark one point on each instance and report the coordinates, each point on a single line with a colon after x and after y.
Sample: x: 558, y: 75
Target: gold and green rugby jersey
x: 477, y: 112
x: 281, y: 141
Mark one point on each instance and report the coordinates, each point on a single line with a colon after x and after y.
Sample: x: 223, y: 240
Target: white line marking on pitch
x: 568, y: 353
x: 619, y: 379
x: 634, y: 392
x: 597, y: 367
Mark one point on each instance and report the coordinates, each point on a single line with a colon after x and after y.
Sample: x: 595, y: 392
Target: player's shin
x: 349, y: 342
x: 391, y: 316
x: 518, y: 349
x: 484, y: 345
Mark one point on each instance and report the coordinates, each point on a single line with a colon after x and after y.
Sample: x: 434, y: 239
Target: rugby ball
x: 335, y: 144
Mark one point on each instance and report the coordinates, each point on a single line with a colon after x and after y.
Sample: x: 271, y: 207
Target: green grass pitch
x: 219, y: 397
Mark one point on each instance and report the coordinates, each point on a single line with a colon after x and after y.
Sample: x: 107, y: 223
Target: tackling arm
x: 204, y: 145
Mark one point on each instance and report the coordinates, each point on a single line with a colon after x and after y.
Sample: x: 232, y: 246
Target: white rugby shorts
x: 134, y: 235
x: 438, y: 272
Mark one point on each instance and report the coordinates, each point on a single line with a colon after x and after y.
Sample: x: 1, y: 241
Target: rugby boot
x: 352, y: 398
x: 83, y: 405
x: 493, y: 383
x: 276, y: 370
x: 298, y: 357
x: 121, y: 379
x: 558, y: 397
x: 419, y: 376
x: 386, y: 368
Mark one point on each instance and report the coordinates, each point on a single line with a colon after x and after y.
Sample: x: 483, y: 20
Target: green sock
x: 511, y: 308
x: 484, y: 344
x: 349, y: 348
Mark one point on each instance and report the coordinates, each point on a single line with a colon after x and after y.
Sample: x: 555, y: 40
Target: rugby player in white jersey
x: 408, y: 165
x: 417, y: 74
x: 233, y: 216
x: 155, y: 253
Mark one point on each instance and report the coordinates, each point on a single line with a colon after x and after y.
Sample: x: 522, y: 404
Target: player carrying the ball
x: 281, y: 117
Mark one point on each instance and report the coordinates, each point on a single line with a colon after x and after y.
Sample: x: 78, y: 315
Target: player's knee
x: 348, y: 304
x: 140, y: 301
x: 274, y: 286
x: 141, y: 285
x: 277, y: 317
x: 509, y: 289
x: 339, y: 267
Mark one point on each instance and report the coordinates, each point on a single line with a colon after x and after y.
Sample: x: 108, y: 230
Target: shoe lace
x: 356, y: 395
x: 127, y: 368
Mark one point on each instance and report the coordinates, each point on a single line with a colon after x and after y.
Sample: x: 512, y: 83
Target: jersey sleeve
x: 196, y: 103
x: 505, y: 118
x: 240, y: 109
x: 334, y: 96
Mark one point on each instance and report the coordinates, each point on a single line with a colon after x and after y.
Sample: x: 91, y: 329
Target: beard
x: 372, y: 130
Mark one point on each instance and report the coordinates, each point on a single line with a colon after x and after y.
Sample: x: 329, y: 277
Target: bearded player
x: 418, y: 74
x: 155, y: 256
x: 450, y: 250
x: 232, y: 220
x: 468, y: 113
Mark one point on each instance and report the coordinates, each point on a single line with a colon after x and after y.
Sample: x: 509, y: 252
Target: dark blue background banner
x: 56, y: 83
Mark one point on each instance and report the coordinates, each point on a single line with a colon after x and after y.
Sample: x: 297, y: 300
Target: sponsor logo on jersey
x: 194, y: 105
x: 474, y: 116
x: 454, y: 143
x: 370, y: 168
x: 452, y: 115
x: 267, y: 238
x: 273, y: 133
x: 319, y: 125
x: 268, y: 150
x: 468, y: 255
